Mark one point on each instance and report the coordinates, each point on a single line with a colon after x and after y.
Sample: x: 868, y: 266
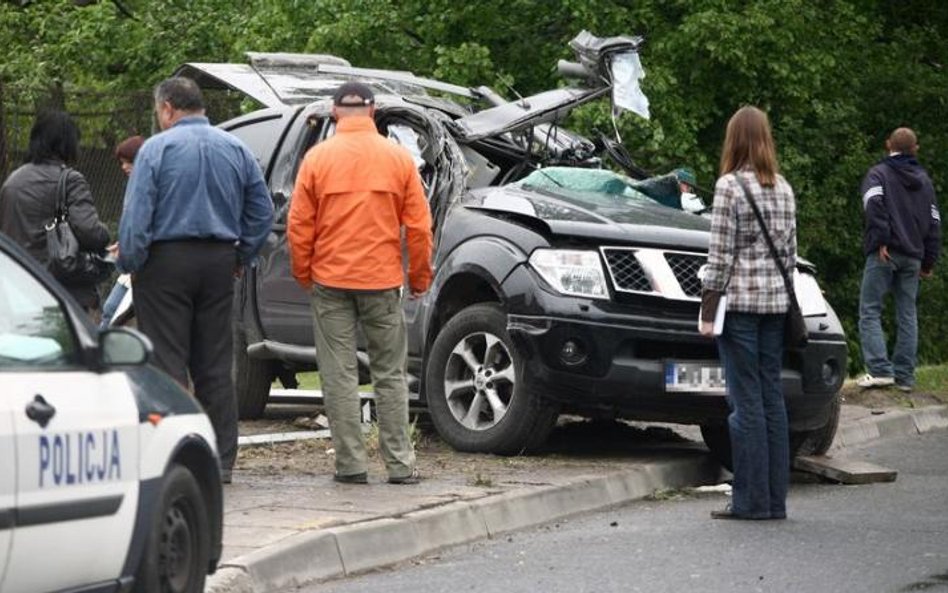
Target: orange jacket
x: 354, y: 193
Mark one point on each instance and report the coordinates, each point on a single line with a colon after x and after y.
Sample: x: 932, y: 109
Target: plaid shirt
x: 739, y: 260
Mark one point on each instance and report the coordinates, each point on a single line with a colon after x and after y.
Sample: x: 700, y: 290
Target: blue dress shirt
x: 194, y: 181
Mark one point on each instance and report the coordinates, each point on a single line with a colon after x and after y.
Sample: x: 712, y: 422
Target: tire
x: 491, y: 408
x: 178, y: 543
x: 819, y: 440
x: 717, y: 437
x: 252, y: 379
x: 810, y: 442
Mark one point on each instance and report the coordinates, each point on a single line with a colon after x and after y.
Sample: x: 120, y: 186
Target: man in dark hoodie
x: 901, y: 243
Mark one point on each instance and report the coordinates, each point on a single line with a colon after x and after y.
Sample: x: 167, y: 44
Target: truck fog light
x: 830, y: 372
x: 573, y: 352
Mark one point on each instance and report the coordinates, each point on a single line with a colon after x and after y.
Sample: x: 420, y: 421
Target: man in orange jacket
x: 354, y: 194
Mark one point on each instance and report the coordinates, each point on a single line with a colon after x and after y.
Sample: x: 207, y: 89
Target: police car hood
x: 603, y: 217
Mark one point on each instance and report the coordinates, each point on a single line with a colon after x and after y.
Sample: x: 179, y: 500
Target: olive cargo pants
x: 335, y: 315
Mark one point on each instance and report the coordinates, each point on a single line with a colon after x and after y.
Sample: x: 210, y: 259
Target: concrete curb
x: 351, y: 549
x: 356, y: 548
x: 891, y: 423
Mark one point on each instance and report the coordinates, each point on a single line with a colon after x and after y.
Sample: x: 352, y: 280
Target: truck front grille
x: 657, y: 272
x: 627, y: 273
x: 685, y: 266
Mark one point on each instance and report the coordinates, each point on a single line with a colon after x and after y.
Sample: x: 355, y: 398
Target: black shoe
x: 413, y: 478
x: 360, y: 478
x: 728, y: 513
x: 227, y: 476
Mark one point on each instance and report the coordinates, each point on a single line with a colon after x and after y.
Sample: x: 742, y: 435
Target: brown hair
x: 128, y: 148
x: 749, y: 143
x: 903, y: 140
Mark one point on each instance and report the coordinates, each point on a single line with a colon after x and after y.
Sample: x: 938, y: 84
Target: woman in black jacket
x: 29, y: 195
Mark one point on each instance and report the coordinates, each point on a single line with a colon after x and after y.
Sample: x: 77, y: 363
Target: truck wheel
x: 819, y: 440
x: 178, y: 546
x: 478, y: 395
x: 252, y: 379
x: 809, y: 442
x: 717, y: 437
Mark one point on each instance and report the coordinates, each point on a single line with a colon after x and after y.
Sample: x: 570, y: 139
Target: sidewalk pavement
x: 282, y: 531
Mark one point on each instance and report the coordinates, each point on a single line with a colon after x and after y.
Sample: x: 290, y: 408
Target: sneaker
x: 904, y: 388
x: 867, y: 381
x: 413, y: 478
x: 227, y: 476
x: 360, y: 478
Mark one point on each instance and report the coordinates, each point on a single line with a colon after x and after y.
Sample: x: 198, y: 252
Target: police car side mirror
x: 123, y: 346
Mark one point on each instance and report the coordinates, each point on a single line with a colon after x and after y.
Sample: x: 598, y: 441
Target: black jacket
x: 28, y: 202
x: 901, y: 211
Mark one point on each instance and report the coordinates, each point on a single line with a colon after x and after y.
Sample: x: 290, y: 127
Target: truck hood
x: 605, y: 218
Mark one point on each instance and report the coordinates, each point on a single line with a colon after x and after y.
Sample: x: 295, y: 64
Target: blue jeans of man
x: 751, y: 347
x: 899, y: 276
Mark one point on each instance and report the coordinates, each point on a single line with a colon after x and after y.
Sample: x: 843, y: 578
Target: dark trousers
x: 183, y: 302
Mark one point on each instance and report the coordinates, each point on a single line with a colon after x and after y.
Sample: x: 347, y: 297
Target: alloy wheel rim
x: 479, y: 381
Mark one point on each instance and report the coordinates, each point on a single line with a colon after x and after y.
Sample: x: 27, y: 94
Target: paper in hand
x: 719, y: 314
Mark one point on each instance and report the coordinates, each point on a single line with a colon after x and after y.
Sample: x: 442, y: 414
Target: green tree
x: 834, y: 76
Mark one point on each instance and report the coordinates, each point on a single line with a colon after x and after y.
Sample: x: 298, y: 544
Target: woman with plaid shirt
x: 751, y: 344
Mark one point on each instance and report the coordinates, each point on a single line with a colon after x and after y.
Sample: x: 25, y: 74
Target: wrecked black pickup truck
x: 560, y: 286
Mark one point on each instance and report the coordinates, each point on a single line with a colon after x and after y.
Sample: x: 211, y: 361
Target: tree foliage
x: 834, y: 76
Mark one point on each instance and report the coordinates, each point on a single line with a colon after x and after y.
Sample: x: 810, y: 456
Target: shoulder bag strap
x: 62, y: 213
x: 770, y: 242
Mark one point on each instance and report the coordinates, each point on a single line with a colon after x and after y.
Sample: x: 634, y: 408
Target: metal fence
x: 104, y: 120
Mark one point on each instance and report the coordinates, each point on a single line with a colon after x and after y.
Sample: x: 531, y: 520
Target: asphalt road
x: 875, y: 538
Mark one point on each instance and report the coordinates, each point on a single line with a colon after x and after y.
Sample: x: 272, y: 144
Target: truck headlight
x: 572, y: 272
x: 809, y: 295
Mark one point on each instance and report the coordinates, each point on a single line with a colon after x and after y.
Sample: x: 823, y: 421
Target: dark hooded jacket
x: 28, y: 202
x: 901, y: 210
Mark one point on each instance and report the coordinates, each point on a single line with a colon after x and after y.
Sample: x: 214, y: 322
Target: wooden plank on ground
x: 845, y: 471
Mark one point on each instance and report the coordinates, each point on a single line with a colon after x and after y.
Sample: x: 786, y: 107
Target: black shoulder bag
x: 65, y: 258
x: 795, y: 333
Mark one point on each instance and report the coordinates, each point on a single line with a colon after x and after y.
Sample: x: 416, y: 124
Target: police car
x: 109, y: 479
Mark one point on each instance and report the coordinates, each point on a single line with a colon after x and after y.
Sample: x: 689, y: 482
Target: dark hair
x: 748, y: 142
x: 54, y: 136
x: 128, y: 148
x: 182, y: 93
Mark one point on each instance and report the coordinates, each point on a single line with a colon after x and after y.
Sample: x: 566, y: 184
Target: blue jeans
x: 111, y: 304
x: 751, y: 347
x: 900, y: 277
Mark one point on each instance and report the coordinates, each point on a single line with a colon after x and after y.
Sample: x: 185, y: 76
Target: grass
x: 312, y: 381
x: 671, y: 494
x: 931, y: 388
x: 480, y: 480
x: 372, y: 436
x: 933, y: 379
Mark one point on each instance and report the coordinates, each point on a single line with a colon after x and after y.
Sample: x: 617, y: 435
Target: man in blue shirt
x: 197, y: 211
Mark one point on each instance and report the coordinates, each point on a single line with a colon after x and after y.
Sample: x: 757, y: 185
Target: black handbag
x: 795, y: 332
x: 66, y: 260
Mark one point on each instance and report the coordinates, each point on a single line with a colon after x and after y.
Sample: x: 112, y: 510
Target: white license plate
x: 694, y: 377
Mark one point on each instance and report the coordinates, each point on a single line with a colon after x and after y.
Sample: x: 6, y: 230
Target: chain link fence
x: 104, y: 120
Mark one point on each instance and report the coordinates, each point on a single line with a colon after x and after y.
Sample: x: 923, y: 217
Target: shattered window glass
x: 406, y: 136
